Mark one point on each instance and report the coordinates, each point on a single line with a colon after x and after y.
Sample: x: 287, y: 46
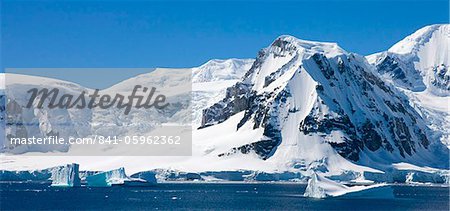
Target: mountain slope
x: 420, y: 61
x: 419, y: 66
x: 315, y: 103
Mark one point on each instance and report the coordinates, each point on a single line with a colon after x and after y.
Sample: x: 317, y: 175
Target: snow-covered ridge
x: 306, y: 46
x: 413, y: 42
x: 419, y: 62
x: 287, y: 50
x: 419, y: 65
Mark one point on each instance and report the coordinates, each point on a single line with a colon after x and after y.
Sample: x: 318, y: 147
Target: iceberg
x: 107, y: 178
x: 65, y: 176
x: 321, y: 187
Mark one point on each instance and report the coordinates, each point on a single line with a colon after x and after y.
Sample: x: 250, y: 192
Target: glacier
x: 66, y: 176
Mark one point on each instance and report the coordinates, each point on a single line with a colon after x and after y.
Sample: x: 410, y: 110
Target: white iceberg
x: 321, y: 187
x: 107, y: 178
x: 65, y: 176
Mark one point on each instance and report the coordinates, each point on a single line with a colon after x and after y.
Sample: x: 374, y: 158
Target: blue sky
x: 120, y: 34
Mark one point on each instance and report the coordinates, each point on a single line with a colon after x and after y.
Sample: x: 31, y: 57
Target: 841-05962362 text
x: 98, y: 139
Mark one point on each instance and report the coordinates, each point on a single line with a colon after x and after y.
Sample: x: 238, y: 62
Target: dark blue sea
x: 201, y: 196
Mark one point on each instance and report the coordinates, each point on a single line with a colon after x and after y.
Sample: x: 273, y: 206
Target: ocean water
x: 200, y: 196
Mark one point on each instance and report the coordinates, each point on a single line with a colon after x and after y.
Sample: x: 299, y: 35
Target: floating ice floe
x: 65, y: 176
x: 321, y: 187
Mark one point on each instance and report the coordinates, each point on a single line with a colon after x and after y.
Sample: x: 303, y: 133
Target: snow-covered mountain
x: 311, y: 104
x: 419, y: 65
x: 301, y: 107
x: 207, y: 83
x: 203, y: 86
x: 175, y: 84
x: 420, y: 61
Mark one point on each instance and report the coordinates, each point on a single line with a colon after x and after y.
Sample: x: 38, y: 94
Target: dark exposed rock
x: 403, y: 74
x: 374, y: 80
x: 372, y: 140
x: 319, y: 88
x: 324, y: 65
x: 262, y: 117
x: 391, y: 66
x: 441, y: 79
x: 350, y: 148
x: 422, y: 137
x: 262, y: 148
x: 403, y: 135
x: 236, y: 100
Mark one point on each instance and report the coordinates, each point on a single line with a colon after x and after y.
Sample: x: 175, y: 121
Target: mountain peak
x: 305, y: 101
x: 419, y: 62
x: 310, y: 47
x: 413, y: 42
